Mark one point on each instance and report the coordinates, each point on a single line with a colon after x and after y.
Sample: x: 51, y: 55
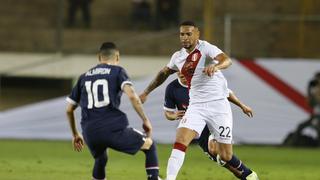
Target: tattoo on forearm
x: 160, y: 78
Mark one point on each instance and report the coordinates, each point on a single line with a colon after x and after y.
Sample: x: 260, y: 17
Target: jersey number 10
x: 92, y: 92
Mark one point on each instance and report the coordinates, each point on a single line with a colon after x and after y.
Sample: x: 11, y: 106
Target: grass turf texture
x: 52, y: 160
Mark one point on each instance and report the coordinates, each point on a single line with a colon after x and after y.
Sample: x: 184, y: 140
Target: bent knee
x: 182, y: 140
x: 147, y: 144
x: 185, y: 136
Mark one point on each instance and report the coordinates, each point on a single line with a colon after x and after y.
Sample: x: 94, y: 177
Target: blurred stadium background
x: 41, y: 57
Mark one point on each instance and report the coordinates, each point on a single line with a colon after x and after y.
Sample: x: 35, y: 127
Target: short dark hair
x: 108, y: 49
x: 188, y: 23
x: 107, y: 46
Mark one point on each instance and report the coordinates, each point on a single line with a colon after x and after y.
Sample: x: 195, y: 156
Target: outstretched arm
x: 235, y: 100
x: 157, y: 81
x: 137, y: 105
x: 77, y: 140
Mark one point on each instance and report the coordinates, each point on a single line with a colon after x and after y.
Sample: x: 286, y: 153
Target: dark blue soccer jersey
x: 176, y: 96
x: 98, y: 92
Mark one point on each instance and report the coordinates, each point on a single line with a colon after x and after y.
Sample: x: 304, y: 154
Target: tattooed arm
x: 157, y: 81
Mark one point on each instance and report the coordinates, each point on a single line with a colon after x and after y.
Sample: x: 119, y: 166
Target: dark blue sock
x: 152, y: 165
x: 237, y: 164
x: 99, y: 166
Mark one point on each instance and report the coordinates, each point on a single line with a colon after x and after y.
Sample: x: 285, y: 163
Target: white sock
x: 174, y: 163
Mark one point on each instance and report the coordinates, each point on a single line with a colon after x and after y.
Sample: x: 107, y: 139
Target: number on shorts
x: 225, y: 131
x: 92, y: 92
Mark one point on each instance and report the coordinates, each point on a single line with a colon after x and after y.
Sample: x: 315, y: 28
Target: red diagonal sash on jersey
x: 282, y: 87
x: 190, y: 65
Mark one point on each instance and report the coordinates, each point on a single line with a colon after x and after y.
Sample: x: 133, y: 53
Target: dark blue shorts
x: 126, y: 140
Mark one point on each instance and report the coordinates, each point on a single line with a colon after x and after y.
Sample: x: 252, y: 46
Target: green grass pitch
x: 55, y: 160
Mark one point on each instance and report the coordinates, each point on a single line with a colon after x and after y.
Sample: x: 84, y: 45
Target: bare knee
x: 185, y: 136
x: 182, y: 139
x: 147, y: 144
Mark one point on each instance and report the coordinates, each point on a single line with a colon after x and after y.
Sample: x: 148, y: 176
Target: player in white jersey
x: 200, y: 62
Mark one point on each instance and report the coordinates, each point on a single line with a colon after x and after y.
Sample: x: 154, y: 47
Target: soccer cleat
x: 252, y: 176
x: 220, y: 161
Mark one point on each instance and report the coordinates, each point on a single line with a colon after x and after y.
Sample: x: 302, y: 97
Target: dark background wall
x: 31, y: 26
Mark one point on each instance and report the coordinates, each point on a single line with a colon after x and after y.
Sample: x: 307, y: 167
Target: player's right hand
x: 143, y: 97
x: 210, y: 70
x: 247, y: 110
x: 147, y: 128
x: 78, y: 143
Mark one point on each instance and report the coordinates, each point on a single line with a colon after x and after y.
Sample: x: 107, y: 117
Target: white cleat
x: 252, y: 176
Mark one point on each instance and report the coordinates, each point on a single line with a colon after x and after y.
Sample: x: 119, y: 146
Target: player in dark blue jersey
x: 176, y: 102
x: 104, y: 125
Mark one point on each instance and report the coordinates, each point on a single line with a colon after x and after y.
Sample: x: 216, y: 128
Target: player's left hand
x: 210, y: 70
x: 78, y: 143
x: 247, y: 110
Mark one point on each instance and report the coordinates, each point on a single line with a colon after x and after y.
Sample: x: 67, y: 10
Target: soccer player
x: 201, y: 64
x: 176, y: 102
x: 98, y: 92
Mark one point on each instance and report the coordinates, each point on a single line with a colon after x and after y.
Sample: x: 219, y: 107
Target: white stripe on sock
x: 239, y: 164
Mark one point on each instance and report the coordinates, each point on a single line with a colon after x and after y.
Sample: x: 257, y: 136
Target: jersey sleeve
x: 169, y: 104
x: 123, y: 78
x: 74, y: 97
x: 229, y: 92
x: 212, y: 50
x: 172, y: 64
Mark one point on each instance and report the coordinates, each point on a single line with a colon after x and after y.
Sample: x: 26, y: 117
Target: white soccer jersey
x: 202, y: 88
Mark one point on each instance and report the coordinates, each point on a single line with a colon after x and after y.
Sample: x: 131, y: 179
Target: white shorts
x: 216, y: 114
